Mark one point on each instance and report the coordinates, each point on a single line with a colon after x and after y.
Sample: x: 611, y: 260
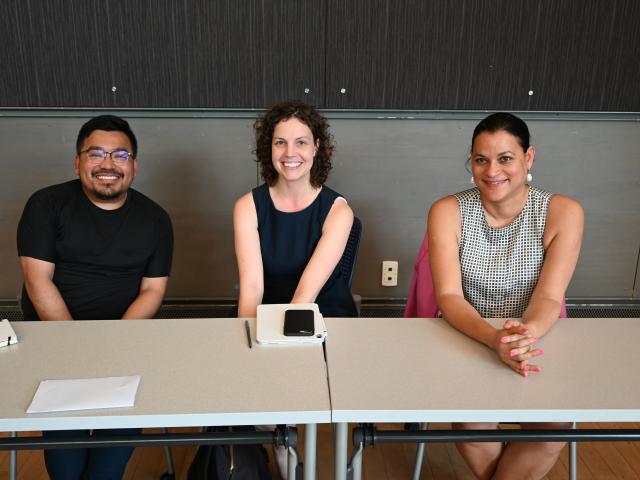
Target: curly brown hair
x: 266, y: 124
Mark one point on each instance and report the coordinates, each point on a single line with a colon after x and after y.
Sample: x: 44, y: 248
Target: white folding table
x: 423, y: 370
x: 195, y: 372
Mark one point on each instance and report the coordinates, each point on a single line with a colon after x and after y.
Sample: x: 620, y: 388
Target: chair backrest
x: 347, y: 263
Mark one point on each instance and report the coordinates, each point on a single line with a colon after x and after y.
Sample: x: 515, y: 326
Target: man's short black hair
x: 109, y: 123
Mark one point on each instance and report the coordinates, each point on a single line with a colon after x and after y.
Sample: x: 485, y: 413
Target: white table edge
x: 61, y: 422
x: 447, y: 416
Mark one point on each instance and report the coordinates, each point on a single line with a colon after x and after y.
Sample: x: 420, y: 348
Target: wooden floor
x: 596, y: 461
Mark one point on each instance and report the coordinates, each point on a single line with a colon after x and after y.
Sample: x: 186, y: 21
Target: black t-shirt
x: 100, y: 256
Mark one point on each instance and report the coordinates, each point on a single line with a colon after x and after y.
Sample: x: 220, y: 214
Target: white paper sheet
x: 84, y: 394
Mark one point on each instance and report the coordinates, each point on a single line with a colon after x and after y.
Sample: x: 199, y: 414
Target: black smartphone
x: 298, y: 323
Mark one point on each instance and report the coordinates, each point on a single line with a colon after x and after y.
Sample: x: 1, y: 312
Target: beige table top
x: 423, y: 370
x: 194, y: 372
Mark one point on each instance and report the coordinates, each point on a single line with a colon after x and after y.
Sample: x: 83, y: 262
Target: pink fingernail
x: 538, y: 369
x: 526, y: 374
x: 534, y: 339
x: 525, y: 330
x: 541, y: 352
x: 503, y: 340
x: 512, y: 353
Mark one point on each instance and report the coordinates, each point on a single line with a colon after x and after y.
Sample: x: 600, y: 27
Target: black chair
x: 347, y: 263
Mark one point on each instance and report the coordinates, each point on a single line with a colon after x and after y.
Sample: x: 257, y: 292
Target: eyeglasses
x: 97, y: 155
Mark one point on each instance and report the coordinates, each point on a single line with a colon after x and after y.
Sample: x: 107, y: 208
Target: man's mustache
x: 106, y: 171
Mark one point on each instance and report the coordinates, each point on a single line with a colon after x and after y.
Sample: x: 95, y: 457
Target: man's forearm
x: 47, y: 301
x: 146, y: 305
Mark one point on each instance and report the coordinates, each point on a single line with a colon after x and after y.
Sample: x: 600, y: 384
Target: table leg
x: 310, y: 451
x: 573, y: 458
x: 341, y: 442
x: 356, y: 463
x: 13, y: 461
x: 169, y: 456
x: 417, y: 469
x: 292, y: 463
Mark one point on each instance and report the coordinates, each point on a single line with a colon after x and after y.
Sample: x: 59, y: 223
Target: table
x: 195, y: 372
x: 423, y: 370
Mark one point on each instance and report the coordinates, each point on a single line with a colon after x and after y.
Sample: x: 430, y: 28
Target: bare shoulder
x: 341, y: 209
x: 245, y: 216
x: 564, y: 210
x: 444, y: 206
x: 244, y: 206
x: 444, y: 212
x: 340, y: 217
x: 565, y: 221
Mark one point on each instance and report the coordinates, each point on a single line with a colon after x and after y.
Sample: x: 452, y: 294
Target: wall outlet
x: 389, y: 273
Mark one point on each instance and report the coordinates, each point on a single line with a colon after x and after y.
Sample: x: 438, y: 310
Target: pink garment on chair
x: 421, y: 301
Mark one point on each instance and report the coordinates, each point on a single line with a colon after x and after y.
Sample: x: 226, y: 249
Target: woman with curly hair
x: 291, y: 231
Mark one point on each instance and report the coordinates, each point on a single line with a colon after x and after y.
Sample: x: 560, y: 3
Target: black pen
x: 248, y: 330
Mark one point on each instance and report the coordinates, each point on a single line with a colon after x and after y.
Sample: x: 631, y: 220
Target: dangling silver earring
x: 529, y: 177
x: 472, y: 180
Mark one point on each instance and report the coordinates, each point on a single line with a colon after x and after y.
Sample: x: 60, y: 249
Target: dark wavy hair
x: 266, y: 124
x: 109, y: 123
x: 504, y: 121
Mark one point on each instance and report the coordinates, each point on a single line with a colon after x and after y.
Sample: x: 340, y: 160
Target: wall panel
x: 484, y: 55
x: 161, y: 53
x: 55, y: 53
x: 218, y: 54
x: 572, y: 55
x: 391, y: 171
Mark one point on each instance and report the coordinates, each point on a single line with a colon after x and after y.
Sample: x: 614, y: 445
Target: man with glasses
x: 90, y: 249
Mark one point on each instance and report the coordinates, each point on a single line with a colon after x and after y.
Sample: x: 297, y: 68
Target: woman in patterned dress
x: 504, y: 249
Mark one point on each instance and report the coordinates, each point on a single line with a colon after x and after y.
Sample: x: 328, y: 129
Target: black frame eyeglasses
x: 97, y: 155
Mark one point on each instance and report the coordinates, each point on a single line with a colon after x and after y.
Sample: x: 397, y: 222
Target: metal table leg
x: 573, y: 458
x: 356, y: 463
x: 310, y: 451
x: 13, y: 461
x: 417, y: 469
x: 292, y: 464
x: 341, y: 449
x: 171, y: 471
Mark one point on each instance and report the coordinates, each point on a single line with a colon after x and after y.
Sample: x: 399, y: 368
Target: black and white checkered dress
x: 500, y: 266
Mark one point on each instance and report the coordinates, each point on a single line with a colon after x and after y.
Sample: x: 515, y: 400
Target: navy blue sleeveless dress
x: 287, y: 241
